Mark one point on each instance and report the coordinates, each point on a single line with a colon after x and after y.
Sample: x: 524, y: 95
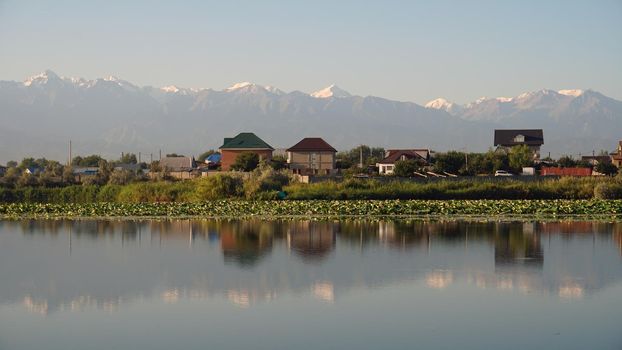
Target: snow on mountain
x: 443, y: 104
x: 109, y: 116
x: 574, y: 93
x: 331, y: 91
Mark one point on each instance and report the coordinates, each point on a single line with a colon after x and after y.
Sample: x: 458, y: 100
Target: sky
x: 402, y: 50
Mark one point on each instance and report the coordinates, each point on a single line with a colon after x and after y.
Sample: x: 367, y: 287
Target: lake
x: 310, y: 284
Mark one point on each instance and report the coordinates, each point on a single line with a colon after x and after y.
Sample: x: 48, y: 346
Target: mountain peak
x: 331, y: 91
x: 443, y: 104
x: 238, y: 86
x: 42, y: 78
x: 246, y: 86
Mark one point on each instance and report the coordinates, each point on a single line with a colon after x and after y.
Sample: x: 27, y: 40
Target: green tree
x: 520, y: 156
x: 121, y: 177
x: 278, y: 162
x: 606, y: 168
x: 128, y: 158
x: 567, y: 162
x: 246, y: 161
x: 11, y: 164
x: 405, y: 168
x: 90, y: 161
x: 451, y: 162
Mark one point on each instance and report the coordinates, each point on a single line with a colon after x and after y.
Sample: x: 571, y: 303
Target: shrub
x: 607, y: 190
x: 219, y: 186
x: 246, y: 161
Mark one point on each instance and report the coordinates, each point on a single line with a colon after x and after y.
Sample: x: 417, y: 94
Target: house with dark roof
x: 505, y: 139
x: 616, y: 157
x: 387, y: 164
x: 311, y: 156
x: 243, y: 142
x: 179, y: 167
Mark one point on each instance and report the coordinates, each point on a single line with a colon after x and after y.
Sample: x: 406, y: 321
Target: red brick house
x: 243, y: 142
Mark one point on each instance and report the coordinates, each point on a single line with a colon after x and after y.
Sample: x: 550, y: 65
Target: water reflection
x: 72, y: 265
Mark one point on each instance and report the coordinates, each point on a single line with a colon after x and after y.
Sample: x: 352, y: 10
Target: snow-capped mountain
x: 107, y: 116
x: 331, y: 91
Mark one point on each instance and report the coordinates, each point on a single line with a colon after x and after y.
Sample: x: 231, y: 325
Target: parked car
x: 503, y: 173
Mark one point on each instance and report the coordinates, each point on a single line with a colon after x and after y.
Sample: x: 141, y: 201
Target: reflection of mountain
x: 53, y: 265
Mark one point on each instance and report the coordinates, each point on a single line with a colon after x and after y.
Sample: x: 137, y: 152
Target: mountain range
x: 108, y: 116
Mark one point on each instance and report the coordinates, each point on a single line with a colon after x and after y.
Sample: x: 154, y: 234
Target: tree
x: 128, y: 158
x: 566, y: 162
x: 246, y: 161
x: 90, y: 161
x: 68, y: 176
x: 278, y: 162
x: 606, y: 168
x: 520, y: 156
x: 11, y: 164
x: 451, y: 162
x: 405, y: 168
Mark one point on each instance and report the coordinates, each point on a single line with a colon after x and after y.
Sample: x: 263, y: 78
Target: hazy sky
x: 404, y: 50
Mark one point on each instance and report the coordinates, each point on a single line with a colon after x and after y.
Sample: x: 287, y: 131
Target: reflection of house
x: 243, y: 142
x: 616, y: 157
x: 506, y: 139
x: 312, y: 155
x: 518, y: 245
x: 386, y: 165
x: 179, y: 167
x: 243, y: 244
x: 311, y: 239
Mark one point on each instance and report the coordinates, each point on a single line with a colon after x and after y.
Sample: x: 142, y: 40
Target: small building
x: 33, y: 170
x: 505, y: 139
x: 387, y: 165
x: 3, y: 170
x: 134, y: 168
x: 312, y: 156
x: 616, y: 157
x: 179, y: 167
x: 243, y: 142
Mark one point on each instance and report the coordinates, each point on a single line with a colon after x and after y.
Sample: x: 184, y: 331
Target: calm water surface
x: 210, y: 284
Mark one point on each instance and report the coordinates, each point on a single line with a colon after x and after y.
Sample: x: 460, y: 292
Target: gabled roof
x: 312, y: 144
x: 178, y: 163
x: 533, y: 137
x: 396, y: 155
x: 245, y: 140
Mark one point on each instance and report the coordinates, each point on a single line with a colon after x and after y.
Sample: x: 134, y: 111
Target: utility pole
x: 150, y: 158
x: 160, y: 154
x: 361, y: 157
x: 138, y: 157
x: 69, y: 162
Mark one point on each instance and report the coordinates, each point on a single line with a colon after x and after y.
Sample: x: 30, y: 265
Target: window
x: 519, y: 138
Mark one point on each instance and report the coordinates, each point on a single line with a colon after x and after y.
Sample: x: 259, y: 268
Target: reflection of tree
x: 518, y: 244
x: 245, y: 242
x: 312, y: 239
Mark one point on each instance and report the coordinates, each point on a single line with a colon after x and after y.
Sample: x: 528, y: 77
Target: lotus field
x: 323, y: 208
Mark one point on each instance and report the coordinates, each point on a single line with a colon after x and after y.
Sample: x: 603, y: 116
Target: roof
x: 245, y: 140
x: 505, y: 137
x: 178, y: 163
x: 89, y: 170
x: 214, y: 158
x: 311, y: 144
x: 396, y: 155
x: 128, y: 166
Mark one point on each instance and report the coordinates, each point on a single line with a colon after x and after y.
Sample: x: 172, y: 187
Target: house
x: 387, y: 165
x: 33, y: 170
x: 616, y: 157
x: 243, y: 142
x: 135, y: 168
x: 2, y: 170
x: 508, y: 138
x: 311, y: 156
x: 179, y: 167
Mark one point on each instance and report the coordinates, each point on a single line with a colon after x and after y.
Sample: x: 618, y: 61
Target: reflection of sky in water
x: 115, y: 268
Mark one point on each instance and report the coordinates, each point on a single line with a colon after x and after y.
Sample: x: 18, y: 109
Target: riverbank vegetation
x: 336, y: 208
x: 267, y: 184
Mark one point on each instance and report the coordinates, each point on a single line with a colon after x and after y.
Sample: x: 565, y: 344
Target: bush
x: 265, y: 179
x: 608, y: 190
x: 219, y: 186
x: 246, y: 161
